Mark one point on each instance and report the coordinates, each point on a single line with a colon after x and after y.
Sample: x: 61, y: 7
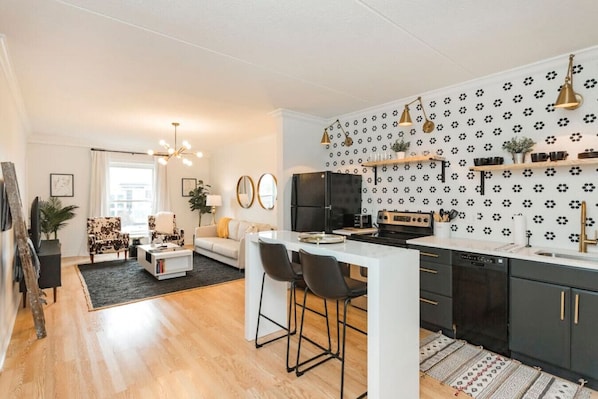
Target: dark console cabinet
x: 50, y: 268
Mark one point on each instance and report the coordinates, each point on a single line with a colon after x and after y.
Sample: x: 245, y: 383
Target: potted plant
x: 53, y: 216
x: 400, y: 147
x: 518, y: 147
x: 198, y: 198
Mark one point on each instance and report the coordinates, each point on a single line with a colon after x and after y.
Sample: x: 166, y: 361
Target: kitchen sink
x: 583, y: 257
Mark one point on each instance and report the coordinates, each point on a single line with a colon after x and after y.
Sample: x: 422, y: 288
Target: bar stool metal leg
x: 292, y: 312
x: 323, y: 276
x: 326, y: 352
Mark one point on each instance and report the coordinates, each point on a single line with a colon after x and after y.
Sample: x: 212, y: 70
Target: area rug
x: 485, y: 375
x: 119, y: 282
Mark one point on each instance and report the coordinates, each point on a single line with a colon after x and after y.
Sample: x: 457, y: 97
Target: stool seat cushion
x: 356, y: 287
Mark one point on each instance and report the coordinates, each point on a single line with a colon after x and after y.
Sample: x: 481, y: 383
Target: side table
x: 135, y: 242
x: 49, y: 272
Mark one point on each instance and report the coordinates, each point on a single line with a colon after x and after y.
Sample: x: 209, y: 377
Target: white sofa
x: 229, y: 250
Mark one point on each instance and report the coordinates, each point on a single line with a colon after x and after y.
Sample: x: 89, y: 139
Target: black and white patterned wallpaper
x: 473, y: 120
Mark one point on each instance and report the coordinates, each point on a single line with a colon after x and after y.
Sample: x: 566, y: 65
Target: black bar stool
x: 324, y: 277
x: 277, y: 266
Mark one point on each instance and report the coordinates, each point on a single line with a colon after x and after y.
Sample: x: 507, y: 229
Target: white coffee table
x: 165, y: 261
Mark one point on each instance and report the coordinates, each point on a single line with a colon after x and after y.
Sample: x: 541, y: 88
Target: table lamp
x: 213, y: 201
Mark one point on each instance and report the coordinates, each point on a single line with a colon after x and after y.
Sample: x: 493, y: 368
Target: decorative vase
x: 518, y: 157
x: 400, y: 154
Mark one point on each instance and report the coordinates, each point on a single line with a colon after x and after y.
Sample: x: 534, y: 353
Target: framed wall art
x: 61, y: 185
x: 188, y: 185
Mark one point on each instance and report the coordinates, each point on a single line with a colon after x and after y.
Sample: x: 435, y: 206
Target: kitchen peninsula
x: 393, y: 305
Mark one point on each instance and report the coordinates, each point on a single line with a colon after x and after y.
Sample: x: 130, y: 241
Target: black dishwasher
x: 480, y: 300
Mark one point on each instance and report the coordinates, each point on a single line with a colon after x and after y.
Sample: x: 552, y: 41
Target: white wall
x: 186, y: 219
x: 12, y: 149
x: 252, y: 158
x: 43, y: 159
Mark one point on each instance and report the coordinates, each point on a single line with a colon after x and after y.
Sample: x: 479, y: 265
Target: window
x: 131, y: 194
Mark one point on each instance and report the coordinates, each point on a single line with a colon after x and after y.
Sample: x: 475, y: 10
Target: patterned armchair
x: 163, y: 225
x: 104, y: 235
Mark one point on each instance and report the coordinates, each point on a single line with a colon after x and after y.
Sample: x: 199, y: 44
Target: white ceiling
x: 116, y: 73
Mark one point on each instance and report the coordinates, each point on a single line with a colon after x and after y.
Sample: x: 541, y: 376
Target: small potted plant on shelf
x: 518, y: 147
x: 400, y: 147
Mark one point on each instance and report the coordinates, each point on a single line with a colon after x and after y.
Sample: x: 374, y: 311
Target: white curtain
x: 98, y: 191
x: 161, y: 194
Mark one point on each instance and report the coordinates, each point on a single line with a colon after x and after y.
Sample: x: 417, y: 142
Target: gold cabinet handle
x: 424, y: 300
x: 576, y: 315
x: 431, y: 255
x: 562, y: 305
x: 432, y: 271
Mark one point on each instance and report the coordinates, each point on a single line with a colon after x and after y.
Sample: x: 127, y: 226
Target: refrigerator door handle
x: 294, y: 191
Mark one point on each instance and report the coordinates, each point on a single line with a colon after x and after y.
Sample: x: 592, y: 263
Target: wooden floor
x: 186, y: 345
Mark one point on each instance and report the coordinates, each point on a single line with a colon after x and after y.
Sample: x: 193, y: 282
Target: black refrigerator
x: 320, y: 200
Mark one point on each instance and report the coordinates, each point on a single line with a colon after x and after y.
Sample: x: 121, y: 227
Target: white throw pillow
x: 164, y: 222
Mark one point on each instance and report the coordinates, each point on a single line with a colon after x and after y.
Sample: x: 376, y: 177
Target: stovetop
x: 396, y: 227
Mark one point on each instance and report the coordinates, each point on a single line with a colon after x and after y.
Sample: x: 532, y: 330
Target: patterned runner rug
x: 485, y: 375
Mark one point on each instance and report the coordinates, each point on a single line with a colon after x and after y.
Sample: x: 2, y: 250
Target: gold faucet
x: 583, y: 239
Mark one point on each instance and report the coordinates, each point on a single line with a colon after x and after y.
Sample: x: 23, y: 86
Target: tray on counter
x: 321, y: 238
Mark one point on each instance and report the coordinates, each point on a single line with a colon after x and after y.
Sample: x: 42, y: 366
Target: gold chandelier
x: 174, y: 152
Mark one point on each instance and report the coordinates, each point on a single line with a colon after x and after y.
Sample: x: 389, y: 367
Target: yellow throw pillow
x: 222, y: 227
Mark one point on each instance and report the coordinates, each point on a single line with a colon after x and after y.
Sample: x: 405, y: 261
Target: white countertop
x: 354, y: 252
x: 510, y: 251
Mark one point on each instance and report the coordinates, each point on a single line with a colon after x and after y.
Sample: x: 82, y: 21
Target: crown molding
x: 13, y: 85
x: 283, y: 113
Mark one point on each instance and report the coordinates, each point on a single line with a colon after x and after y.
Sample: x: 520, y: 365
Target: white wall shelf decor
x: 533, y: 165
x: 418, y: 158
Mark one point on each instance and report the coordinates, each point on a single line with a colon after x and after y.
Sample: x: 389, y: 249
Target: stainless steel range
x: 396, y: 227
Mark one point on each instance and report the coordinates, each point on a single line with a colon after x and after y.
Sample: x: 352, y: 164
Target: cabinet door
x: 540, y: 320
x: 584, y: 351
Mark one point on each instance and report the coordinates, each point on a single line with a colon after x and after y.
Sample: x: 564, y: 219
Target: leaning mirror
x: 266, y: 191
x: 245, y: 191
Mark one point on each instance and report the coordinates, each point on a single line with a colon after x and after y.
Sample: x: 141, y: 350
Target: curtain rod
x: 120, y: 152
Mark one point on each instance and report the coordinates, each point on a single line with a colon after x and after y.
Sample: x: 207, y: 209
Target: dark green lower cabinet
x: 540, y: 321
x: 584, y: 331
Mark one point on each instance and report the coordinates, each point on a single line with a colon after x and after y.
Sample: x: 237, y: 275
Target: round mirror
x: 266, y: 191
x: 245, y: 191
